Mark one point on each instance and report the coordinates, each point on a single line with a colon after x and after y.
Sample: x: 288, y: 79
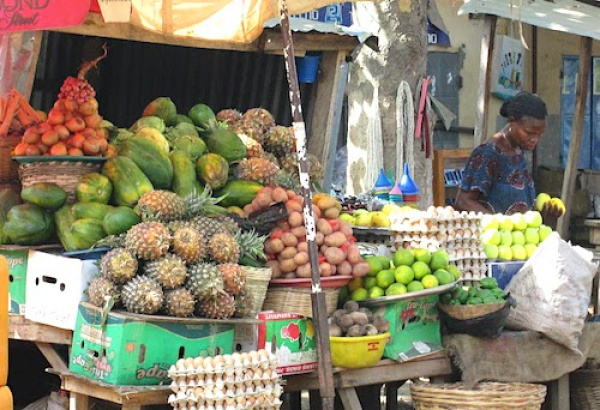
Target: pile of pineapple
x: 178, y: 261
x: 270, y: 149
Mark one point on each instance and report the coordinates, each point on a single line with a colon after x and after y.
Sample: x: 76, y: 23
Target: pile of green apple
x: 374, y: 219
x: 409, y: 270
x: 512, y: 237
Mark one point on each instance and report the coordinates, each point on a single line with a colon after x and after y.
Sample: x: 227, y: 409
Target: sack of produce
x: 552, y: 291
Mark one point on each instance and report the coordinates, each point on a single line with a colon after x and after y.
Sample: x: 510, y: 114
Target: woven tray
x: 63, y: 173
x: 298, y: 300
x: 9, y: 170
x: 585, y: 389
x: 471, y: 311
x: 257, y: 283
x: 487, y: 395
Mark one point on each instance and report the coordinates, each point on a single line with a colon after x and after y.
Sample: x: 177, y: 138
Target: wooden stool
x: 129, y: 397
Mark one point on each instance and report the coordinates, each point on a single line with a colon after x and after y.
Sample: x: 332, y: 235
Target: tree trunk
x: 373, y: 88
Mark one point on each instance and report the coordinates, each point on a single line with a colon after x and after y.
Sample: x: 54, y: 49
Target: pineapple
x: 253, y: 148
x: 189, y: 245
x: 243, y: 304
x: 179, y: 303
x: 261, y: 117
x: 228, y: 223
x: 222, y: 248
x: 164, y: 206
x: 289, y: 163
x: 169, y: 270
x: 279, y: 141
x: 249, y: 128
x: 258, y: 170
x: 142, y: 295
x: 229, y: 115
x: 252, y: 245
x: 221, y: 306
x: 148, y: 240
x: 118, y: 265
x: 207, y: 227
x: 204, y: 280
x: 234, y: 277
x: 100, y: 288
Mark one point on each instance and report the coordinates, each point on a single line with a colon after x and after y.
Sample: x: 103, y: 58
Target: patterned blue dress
x: 503, y: 179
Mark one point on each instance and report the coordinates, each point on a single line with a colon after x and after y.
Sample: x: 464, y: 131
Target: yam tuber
x: 367, y: 312
x: 354, y: 331
x: 345, y: 322
x: 381, y: 324
x: 370, y: 330
x: 351, y: 306
x: 359, y: 318
x: 336, y: 331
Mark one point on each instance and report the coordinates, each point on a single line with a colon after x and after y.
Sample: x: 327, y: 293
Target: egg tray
x: 228, y: 383
x: 189, y: 400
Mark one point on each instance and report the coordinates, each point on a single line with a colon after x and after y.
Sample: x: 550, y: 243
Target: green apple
x: 490, y: 237
x: 518, y: 238
x: 533, y: 219
x: 518, y: 252
x: 504, y: 252
x: 532, y: 236
x: 519, y: 223
x: 360, y: 211
x: 544, y: 232
x: 506, y: 224
x: 364, y: 219
x: 380, y: 220
x: 541, y: 199
x: 389, y: 209
x: 489, y: 221
x: 530, y: 249
x: 346, y: 217
x: 491, y: 251
x: 506, y: 238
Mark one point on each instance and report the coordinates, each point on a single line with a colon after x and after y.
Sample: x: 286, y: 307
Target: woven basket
x: 471, y: 311
x: 12, y: 185
x: 257, y: 282
x: 487, y: 395
x: 298, y: 300
x: 9, y: 169
x: 585, y: 389
x: 63, y: 173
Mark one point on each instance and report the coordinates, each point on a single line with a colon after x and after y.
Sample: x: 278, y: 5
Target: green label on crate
x: 17, y: 269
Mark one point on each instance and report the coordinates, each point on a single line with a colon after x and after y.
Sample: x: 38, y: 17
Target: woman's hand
x: 550, y: 214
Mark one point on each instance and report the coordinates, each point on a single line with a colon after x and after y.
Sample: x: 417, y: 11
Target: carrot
x: 2, y: 108
x: 28, y: 109
x: 11, y: 108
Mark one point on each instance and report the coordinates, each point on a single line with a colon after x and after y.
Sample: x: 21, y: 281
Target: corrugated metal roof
x: 568, y: 16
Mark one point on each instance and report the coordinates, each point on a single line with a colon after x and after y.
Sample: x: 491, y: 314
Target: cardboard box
x: 123, y: 349
x: 55, y: 286
x: 504, y: 271
x: 17, y: 271
x: 414, y: 327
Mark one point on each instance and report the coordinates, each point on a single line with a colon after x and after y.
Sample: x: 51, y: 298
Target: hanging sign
x: 507, y: 67
x: 31, y: 15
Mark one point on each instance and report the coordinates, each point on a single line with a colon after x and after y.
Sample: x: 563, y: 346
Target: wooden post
x: 485, y: 73
x: 581, y: 94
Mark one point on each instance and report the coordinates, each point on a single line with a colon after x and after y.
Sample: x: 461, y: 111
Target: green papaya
x: 63, y: 219
x: 86, y: 232
x: 118, y: 220
x: 90, y: 210
x: 29, y: 224
x: 202, y: 115
x: 129, y: 182
x: 151, y: 159
x: 155, y: 136
x: 47, y: 195
x: 213, y: 170
x: 94, y: 187
x: 162, y: 107
x: 151, y: 121
x: 8, y: 199
x: 184, y: 173
x: 195, y: 147
x: 173, y: 120
x: 227, y: 144
x: 238, y: 193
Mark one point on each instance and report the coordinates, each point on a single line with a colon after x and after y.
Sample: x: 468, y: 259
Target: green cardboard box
x: 130, y: 350
x: 17, y: 270
x: 414, y: 327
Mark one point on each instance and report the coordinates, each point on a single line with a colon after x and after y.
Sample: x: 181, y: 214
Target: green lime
x: 403, y: 257
x: 454, y: 271
x: 422, y: 255
x: 385, y: 278
x: 375, y: 292
x: 414, y: 286
x: 375, y: 265
x: 430, y: 281
x: 485, y: 293
x: 488, y: 283
x: 355, y: 283
x: 396, y: 289
x: 404, y: 274
x: 359, y: 294
x: 443, y: 276
x: 446, y: 298
x: 474, y: 301
x: 370, y: 282
x: 499, y: 293
x: 472, y: 291
x: 439, y: 260
x: 421, y: 269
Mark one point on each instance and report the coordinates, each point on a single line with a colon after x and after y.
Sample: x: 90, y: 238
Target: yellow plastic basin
x: 353, y: 352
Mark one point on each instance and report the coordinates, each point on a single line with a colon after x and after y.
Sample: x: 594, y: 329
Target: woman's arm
x: 470, y: 201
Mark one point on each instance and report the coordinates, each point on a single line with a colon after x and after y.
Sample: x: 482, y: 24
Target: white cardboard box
x: 55, y: 287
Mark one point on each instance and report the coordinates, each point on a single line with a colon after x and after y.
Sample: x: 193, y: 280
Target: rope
x: 404, y: 115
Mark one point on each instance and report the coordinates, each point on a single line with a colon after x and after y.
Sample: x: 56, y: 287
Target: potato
x: 323, y: 248
x: 262, y: 201
x: 327, y: 202
x: 320, y: 238
x: 300, y: 233
x: 274, y: 246
x: 267, y: 190
x: 295, y: 218
x: 291, y: 194
x: 283, y: 225
x: 333, y: 270
x: 334, y: 256
x: 288, y: 253
x: 316, y: 211
x: 289, y: 239
x: 298, y: 198
x: 325, y: 269
x: 331, y: 213
x: 346, y: 229
x: 289, y: 275
x: 335, y: 224
x: 344, y: 268
x: 275, y: 269
x: 288, y: 265
x: 304, y: 271
x: 279, y: 194
x: 302, y: 247
x: 324, y: 226
x: 336, y: 239
x: 301, y: 258
x: 360, y: 269
x: 354, y: 255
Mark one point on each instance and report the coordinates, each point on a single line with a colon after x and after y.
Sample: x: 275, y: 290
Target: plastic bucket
x: 307, y: 67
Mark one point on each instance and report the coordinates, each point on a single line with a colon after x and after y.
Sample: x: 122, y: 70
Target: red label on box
x: 41, y: 14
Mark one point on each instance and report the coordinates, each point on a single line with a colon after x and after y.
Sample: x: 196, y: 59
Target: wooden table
x: 386, y: 371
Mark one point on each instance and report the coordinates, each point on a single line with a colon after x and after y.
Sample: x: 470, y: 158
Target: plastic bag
x: 553, y: 290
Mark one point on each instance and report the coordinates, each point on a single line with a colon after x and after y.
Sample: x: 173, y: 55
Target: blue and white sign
x: 436, y: 37
x: 337, y: 13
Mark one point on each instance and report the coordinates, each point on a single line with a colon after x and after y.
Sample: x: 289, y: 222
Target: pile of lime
x: 409, y: 270
x: 484, y: 292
